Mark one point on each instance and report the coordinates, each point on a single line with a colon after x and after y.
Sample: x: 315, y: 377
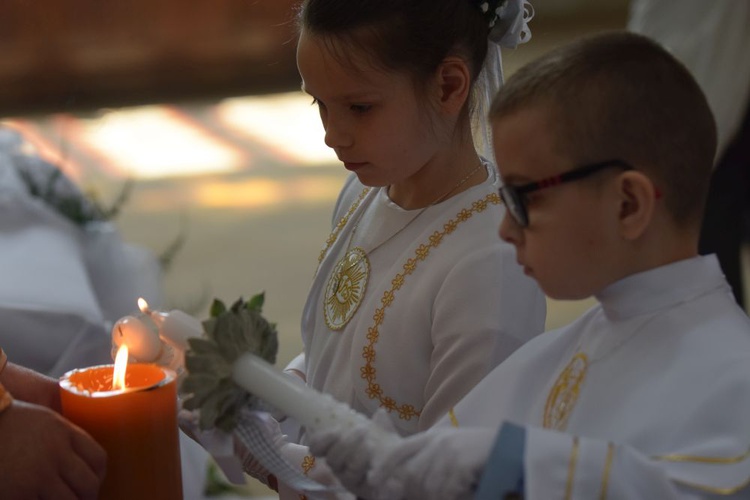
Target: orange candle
x: 137, y: 426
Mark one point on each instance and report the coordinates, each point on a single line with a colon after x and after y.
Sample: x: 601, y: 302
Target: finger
x: 321, y: 441
x: 81, y: 479
x: 58, y: 489
x: 90, y: 452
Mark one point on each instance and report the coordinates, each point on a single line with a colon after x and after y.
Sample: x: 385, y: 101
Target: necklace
x: 563, y: 395
x: 347, y: 284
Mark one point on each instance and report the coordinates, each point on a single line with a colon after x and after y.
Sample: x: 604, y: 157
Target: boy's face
x: 571, y: 242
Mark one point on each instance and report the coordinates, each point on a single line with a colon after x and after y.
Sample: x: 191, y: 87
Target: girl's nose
x: 337, y: 135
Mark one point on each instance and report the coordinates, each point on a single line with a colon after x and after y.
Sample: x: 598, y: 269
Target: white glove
x: 250, y: 464
x: 349, y: 451
x: 444, y: 464
x: 220, y: 445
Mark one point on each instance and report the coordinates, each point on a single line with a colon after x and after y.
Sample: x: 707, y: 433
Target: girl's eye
x: 316, y: 102
x: 360, y: 108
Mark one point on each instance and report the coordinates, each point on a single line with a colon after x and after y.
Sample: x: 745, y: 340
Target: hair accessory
x: 491, y: 10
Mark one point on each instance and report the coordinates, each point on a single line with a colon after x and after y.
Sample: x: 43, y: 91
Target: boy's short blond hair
x: 622, y: 96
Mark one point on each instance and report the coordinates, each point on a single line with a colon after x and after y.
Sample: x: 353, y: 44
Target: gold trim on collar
x: 368, y: 370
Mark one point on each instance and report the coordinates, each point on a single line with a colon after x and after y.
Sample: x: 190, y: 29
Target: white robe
x: 464, y: 308
x: 666, y: 394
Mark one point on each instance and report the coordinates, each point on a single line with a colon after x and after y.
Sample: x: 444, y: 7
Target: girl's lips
x: 353, y: 166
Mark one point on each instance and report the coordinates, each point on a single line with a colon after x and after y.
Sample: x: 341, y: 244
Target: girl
x: 415, y: 297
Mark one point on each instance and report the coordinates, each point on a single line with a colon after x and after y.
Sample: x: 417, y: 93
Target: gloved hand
x: 228, y: 450
x: 444, y: 463
x: 349, y: 452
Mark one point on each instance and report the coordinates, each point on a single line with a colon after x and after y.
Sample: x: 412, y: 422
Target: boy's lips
x: 526, y: 269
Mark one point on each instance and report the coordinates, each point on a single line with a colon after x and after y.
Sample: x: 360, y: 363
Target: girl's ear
x: 454, y: 84
x: 638, y: 197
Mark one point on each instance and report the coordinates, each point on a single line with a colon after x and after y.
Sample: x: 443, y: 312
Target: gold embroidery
x: 308, y: 463
x: 563, y: 396
x: 716, y: 491
x: 368, y: 371
x: 704, y: 460
x: 452, y: 415
x: 607, y: 468
x: 572, y: 469
x: 335, y: 233
x: 346, y: 288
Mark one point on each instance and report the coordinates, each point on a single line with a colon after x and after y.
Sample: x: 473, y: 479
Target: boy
x: 605, y: 147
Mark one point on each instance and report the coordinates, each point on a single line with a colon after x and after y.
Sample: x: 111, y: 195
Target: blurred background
x: 197, y: 103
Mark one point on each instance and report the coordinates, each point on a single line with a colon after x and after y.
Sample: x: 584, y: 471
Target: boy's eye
x: 317, y: 102
x: 360, y: 108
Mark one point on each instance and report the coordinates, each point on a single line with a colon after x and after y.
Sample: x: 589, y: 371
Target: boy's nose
x: 510, y: 231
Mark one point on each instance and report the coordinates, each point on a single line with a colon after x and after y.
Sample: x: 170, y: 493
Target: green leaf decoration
x: 228, y: 334
x: 256, y: 302
x: 217, y: 308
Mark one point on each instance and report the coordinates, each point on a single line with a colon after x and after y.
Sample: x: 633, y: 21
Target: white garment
x: 711, y: 39
x: 465, y: 307
x: 668, y: 375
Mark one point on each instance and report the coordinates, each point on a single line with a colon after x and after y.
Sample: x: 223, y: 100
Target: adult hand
x: 30, y: 386
x: 44, y: 456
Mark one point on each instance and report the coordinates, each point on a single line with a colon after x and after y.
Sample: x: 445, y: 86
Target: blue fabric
x: 503, y: 473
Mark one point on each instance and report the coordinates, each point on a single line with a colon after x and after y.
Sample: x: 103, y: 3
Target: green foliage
x: 229, y: 333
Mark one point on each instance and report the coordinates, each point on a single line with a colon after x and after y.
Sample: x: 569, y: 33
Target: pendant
x: 563, y: 396
x: 346, y: 288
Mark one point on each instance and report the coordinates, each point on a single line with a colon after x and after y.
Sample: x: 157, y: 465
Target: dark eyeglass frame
x: 513, y: 197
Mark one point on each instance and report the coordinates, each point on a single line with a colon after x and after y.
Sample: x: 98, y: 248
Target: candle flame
x: 121, y: 364
x: 143, y: 305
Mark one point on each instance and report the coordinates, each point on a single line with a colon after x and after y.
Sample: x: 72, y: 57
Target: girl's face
x: 373, y: 119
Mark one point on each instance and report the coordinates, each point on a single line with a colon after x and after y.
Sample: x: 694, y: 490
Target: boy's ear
x: 454, y: 84
x: 637, y: 203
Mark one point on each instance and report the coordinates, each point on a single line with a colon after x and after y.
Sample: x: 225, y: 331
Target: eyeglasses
x: 514, y: 197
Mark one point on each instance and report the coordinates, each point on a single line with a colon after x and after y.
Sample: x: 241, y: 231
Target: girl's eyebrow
x: 353, y: 96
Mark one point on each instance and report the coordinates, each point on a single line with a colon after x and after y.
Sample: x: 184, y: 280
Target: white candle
x: 176, y: 327
x: 309, y: 407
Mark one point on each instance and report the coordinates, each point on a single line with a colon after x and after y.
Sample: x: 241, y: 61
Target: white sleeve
x: 485, y: 310
x: 315, y: 469
x: 586, y: 468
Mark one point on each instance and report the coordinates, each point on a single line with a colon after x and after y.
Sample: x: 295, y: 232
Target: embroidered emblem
x: 563, y: 396
x: 346, y: 288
